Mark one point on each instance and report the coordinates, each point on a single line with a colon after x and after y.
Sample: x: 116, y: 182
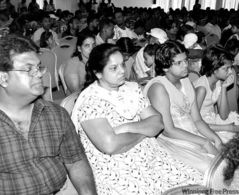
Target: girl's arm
x: 229, y: 127
x: 200, y: 96
x: 222, y: 103
x: 203, y: 128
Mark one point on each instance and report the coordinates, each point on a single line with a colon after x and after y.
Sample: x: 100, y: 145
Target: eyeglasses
x: 180, y: 63
x: 33, y: 71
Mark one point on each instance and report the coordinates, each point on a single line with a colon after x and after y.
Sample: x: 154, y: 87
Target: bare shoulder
x: 157, y: 90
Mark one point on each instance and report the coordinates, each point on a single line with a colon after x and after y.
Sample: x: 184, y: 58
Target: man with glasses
x: 38, y: 142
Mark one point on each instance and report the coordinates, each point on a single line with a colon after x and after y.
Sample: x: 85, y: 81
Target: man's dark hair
x: 105, y: 23
x: 14, y: 44
x: 91, y: 18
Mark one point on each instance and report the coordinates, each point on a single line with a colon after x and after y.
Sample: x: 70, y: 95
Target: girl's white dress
x: 181, y: 102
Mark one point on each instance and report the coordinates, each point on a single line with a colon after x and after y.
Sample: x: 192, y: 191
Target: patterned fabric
x: 181, y: 102
x: 147, y: 168
x: 35, y: 165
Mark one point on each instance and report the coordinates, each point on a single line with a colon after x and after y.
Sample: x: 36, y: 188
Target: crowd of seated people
x: 153, y: 109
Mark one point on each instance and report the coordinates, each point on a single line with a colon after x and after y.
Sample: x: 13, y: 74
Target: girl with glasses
x: 171, y: 93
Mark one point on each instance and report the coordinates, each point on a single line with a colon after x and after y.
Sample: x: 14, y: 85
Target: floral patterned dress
x: 147, y: 168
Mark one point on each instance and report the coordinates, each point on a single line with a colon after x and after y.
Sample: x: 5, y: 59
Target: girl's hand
x: 210, y: 148
x: 228, y: 81
x: 218, y: 144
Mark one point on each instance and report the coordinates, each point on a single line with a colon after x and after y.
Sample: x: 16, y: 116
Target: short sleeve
x: 71, y: 149
x: 92, y: 108
x: 143, y: 100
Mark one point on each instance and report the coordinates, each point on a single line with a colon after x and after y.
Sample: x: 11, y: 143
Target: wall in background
x: 60, y: 4
x: 134, y: 3
x: 213, y: 4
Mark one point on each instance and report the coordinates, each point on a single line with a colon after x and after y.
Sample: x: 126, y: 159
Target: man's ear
x: 3, y: 79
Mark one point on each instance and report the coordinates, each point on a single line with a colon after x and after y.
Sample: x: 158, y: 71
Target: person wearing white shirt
x: 45, y: 27
x: 106, y: 32
x: 120, y: 29
x: 157, y: 36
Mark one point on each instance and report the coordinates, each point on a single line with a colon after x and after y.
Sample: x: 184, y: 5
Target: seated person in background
x: 187, y: 136
x: 118, y: 128
x: 156, y: 36
x: 127, y: 49
x: 233, y: 49
x: 106, y: 32
x: 92, y: 25
x: 46, y: 26
x: 149, y: 60
x: 74, y: 71
x: 194, y: 63
x: 39, y: 145
x: 120, y: 28
x: 46, y: 40
x: 211, y: 91
x: 72, y: 27
x: 182, y: 31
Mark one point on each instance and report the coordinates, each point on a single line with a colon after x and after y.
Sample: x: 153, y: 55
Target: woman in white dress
x: 211, y: 92
x: 118, y: 126
x: 188, y: 136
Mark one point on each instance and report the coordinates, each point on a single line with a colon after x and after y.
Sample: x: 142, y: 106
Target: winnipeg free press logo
x: 210, y: 191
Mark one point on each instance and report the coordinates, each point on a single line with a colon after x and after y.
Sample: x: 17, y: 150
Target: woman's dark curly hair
x: 214, y: 58
x: 230, y: 152
x: 165, y: 53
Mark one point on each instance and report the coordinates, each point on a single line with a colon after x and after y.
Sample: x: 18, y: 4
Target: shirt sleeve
x: 71, y: 148
x: 93, y: 108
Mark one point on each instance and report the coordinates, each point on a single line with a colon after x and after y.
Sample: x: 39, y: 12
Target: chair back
x: 63, y: 52
x: 214, y: 177
x: 49, y: 59
x: 69, y: 102
x: 188, y: 189
x: 68, y: 40
x: 61, y: 75
x: 46, y: 79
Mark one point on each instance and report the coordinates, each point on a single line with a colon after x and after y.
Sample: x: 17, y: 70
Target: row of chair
x: 54, y: 60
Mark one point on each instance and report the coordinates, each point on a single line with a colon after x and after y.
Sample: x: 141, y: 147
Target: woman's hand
x: 228, y: 81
